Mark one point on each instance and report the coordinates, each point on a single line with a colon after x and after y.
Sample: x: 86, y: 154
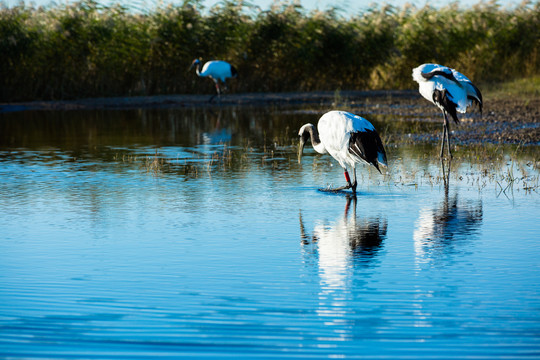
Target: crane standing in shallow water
x: 450, y: 90
x: 217, y: 70
x: 348, y: 138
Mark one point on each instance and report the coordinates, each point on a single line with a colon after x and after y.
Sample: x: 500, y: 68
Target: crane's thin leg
x: 349, y: 183
x: 354, y: 183
x: 218, y: 93
x: 443, y: 137
x: 348, y: 186
x: 446, y: 173
x: 448, y: 137
x: 348, y: 178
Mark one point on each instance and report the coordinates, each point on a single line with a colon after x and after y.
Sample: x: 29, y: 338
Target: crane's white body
x: 348, y: 138
x: 216, y: 70
x: 459, y: 89
x: 450, y: 90
x: 335, y: 129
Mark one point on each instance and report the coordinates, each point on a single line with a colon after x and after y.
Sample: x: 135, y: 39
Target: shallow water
x: 196, y: 234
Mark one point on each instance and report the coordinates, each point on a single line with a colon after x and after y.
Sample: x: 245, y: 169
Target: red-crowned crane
x: 217, y: 70
x: 348, y: 138
x: 450, y: 90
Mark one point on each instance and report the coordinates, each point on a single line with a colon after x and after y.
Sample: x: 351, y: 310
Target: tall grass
x: 85, y: 50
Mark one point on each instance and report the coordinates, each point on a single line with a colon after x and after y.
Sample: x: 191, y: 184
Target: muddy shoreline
x: 508, y: 120
x: 186, y: 101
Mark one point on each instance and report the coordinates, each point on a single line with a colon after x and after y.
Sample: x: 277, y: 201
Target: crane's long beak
x: 301, y: 149
x: 191, y: 66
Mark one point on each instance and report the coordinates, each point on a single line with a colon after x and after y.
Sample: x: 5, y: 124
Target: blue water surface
x: 186, y: 234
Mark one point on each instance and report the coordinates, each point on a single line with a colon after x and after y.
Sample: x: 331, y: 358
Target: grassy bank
x: 525, y: 88
x: 85, y: 50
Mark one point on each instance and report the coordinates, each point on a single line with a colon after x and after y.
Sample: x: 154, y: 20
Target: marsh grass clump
x: 486, y: 167
x: 154, y: 164
x: 219, y: 162
x: 85, y: 49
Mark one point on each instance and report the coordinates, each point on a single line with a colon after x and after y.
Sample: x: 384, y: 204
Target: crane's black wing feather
x: 367, y: 145
x: 440, y: 97
x: 444, y: 74
x: 476, y: 99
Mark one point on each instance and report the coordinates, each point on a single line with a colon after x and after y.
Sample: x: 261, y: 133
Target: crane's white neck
x: 319, y: 148
x: 198, y: 68
x: 314, y: 137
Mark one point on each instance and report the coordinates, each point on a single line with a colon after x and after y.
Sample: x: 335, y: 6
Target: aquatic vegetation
x: 87, y: 50
x: 491, y: 168
x: 154, y: 164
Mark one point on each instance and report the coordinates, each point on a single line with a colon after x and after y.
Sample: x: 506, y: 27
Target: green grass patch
x: 528, y: 87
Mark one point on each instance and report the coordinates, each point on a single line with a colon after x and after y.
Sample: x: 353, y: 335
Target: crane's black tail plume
x: 234, y: 72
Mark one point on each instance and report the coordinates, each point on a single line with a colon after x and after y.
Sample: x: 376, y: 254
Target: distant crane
x: 217, y: 70
x: 348, y: 138
x: 450, y: 90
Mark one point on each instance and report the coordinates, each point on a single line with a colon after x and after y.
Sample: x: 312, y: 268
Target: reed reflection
x: 441, y: 229
x: 87, y: 130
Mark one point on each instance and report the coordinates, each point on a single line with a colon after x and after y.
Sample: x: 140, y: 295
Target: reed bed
x: 88, y: 50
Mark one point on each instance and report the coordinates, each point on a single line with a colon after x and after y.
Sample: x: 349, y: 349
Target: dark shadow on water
x: 446, y: 229
x: 336, y: 192
x: 348, y: 193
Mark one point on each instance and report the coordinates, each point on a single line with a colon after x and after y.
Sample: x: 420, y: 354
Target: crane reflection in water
x: 217, y: 132
x: 341, y: 249
x: 441, y: 230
